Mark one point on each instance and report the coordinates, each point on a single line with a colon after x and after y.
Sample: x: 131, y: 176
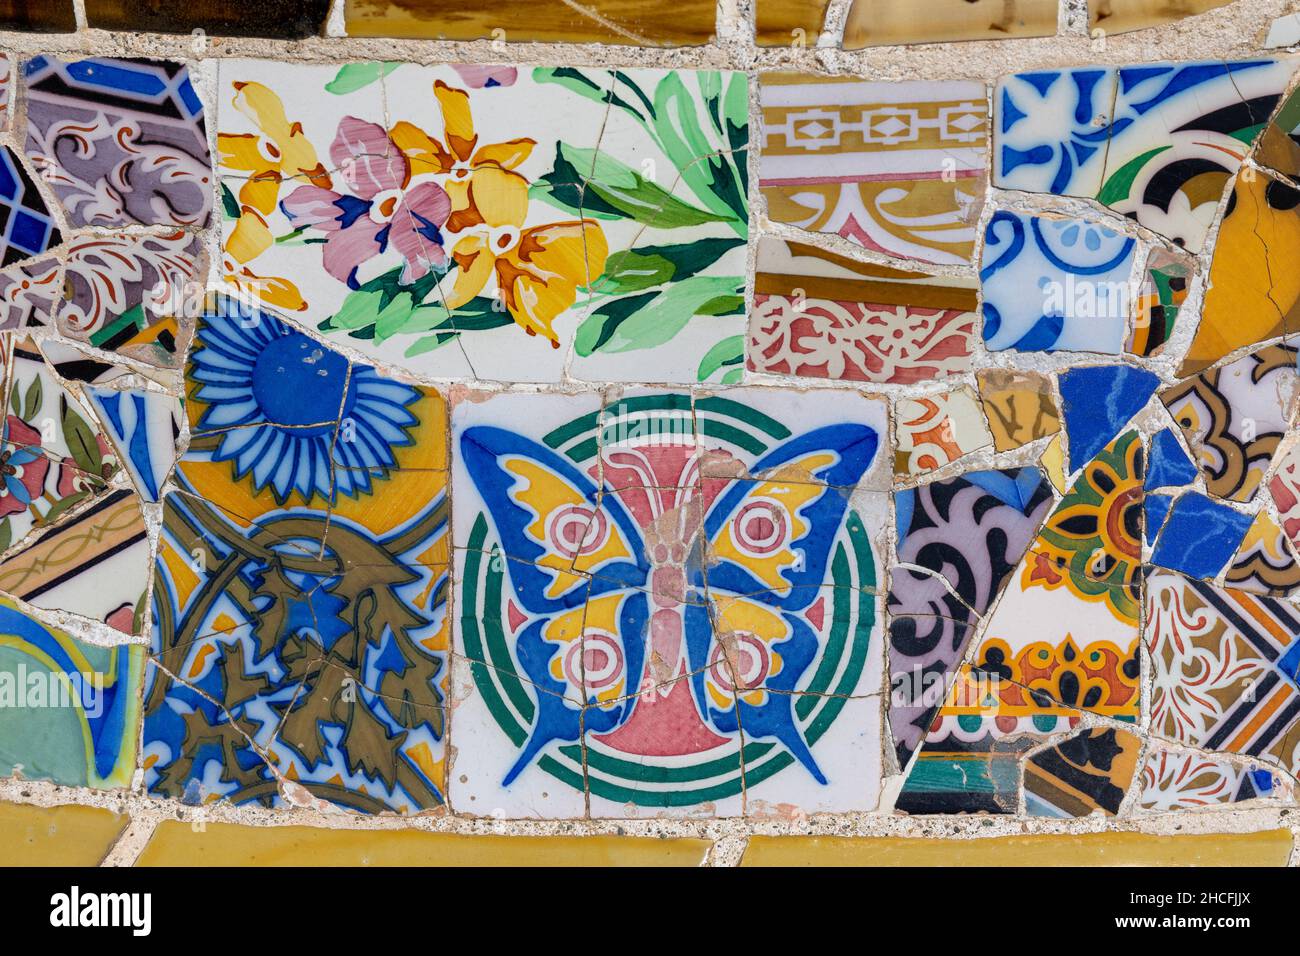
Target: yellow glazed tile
x: 1254, y: 289
x: 1053, y: 462
x: 1269, y: 848
x: 778, y: 22
x: 888, y: 22
x: 69, y: 835
x: 228, y: 844
x: 1018, y: 406
x: 1120, y: 16
x: 623, y: 22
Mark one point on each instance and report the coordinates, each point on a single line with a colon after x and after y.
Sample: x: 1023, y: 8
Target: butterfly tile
x: 311, y: 609
x: 1155, y: 142
x: 145, y: 428
x: 1159, y: 298
x: 1200, y: 536
x: 937, y: 430
x: 1099, y: 400
x: 149, y: 164
x: 600, y: 21
x: 1177, y: 780
x: 1266, y: 562
x: 1234, y: 416
x: 958, y: 541
x: 1169, y: 465
x: 821, y: 315
x: 94, y: 564
x: 897, y: 168
x: 598, y: 599
x: 1091, y: 771
x: 1225, y: 665
x: 132, y: 294
x: 1053, y: 283
x: 1019, y: 406
x: 70, y: 709
x: 1252, y: 295
x: 891, y: 22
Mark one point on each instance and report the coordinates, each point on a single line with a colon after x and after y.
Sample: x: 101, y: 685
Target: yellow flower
x: 278, y: 151
x: 481, y: 181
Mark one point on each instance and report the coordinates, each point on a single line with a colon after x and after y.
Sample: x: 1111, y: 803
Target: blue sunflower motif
x: 291, y: 412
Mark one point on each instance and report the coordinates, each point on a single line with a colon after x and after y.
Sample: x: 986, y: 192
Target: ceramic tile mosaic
x: 897, y: 168
x: 821, y: 315
x: 490, y: 439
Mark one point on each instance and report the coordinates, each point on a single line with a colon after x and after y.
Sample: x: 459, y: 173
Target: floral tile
x: 1019, y: 406
x: 301, y: 640
x: 1266, y: 563
x: 936, y: 430
x: 144, y: 427
x: 897, y: 168
x: 1253, y: 296
x: 94, y: 564
x: 958, y: 541
x: 1080, y: 276
x: 634, y: 265
x: 284, y: 19
x: 598, y: 21
x: 660, y: 728
x: 1225, y: 669
x: 1090, y: 422
x: 1199, y: 536
x: 28, y: 293
x: 52, y: 455
x: 1123, y: 16
x: 129, y: 294
x: 821, y: 315
x: 1234, y: 416
x: 1155, y: 142
x: 1159, y: 299
x: 70, y: 709
x: 1176, y: 780
x: 1169, y: 466
x: 1091, y: 771
x: 27, y: 227
x: 149, y: 164
x: 890, y: 22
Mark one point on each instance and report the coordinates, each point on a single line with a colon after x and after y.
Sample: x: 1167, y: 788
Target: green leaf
x: 730, y: 351
x: 81, y: 442
x: 6, y: 534
x: 626, y: 190
x: 356, y: 76
x: 652, y: 320
x: 35, y: 395
x: 16, y: 403
x: 229, y: 204
x: 574, y: 80
x: 704, y: 165
x: 636, y: 269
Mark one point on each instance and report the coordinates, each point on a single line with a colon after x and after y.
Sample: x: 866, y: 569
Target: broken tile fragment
x: 896, y: 22
x: 1155, y: 509
x: 1019, y: 407
x: 144, y: 427
x: 70, y: 709
x: 1266, y: 562
x: 1199, y: 536
x: 1156, y: 142
x: 821, y: 315
x: 1177, y: 780
x: 1123, y: 16
x: 1253, y: 296
x: 936, y: 430
x: 27, y: 227
x: 1225, y: 668
x: 29, y: 292
x: 147, y: 162
x: 897, y: 168
x: 1052, y: 283
x: 281, y: 19
x: 1234, y: 416
x: 94, y: 564
x: 1090, y: 771
x: 69, y: 834
x: 1159, y: 299
x: 48, y: 16
x: 1099, y: 400
x: 788, y: 22
x: 1169, y: 465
